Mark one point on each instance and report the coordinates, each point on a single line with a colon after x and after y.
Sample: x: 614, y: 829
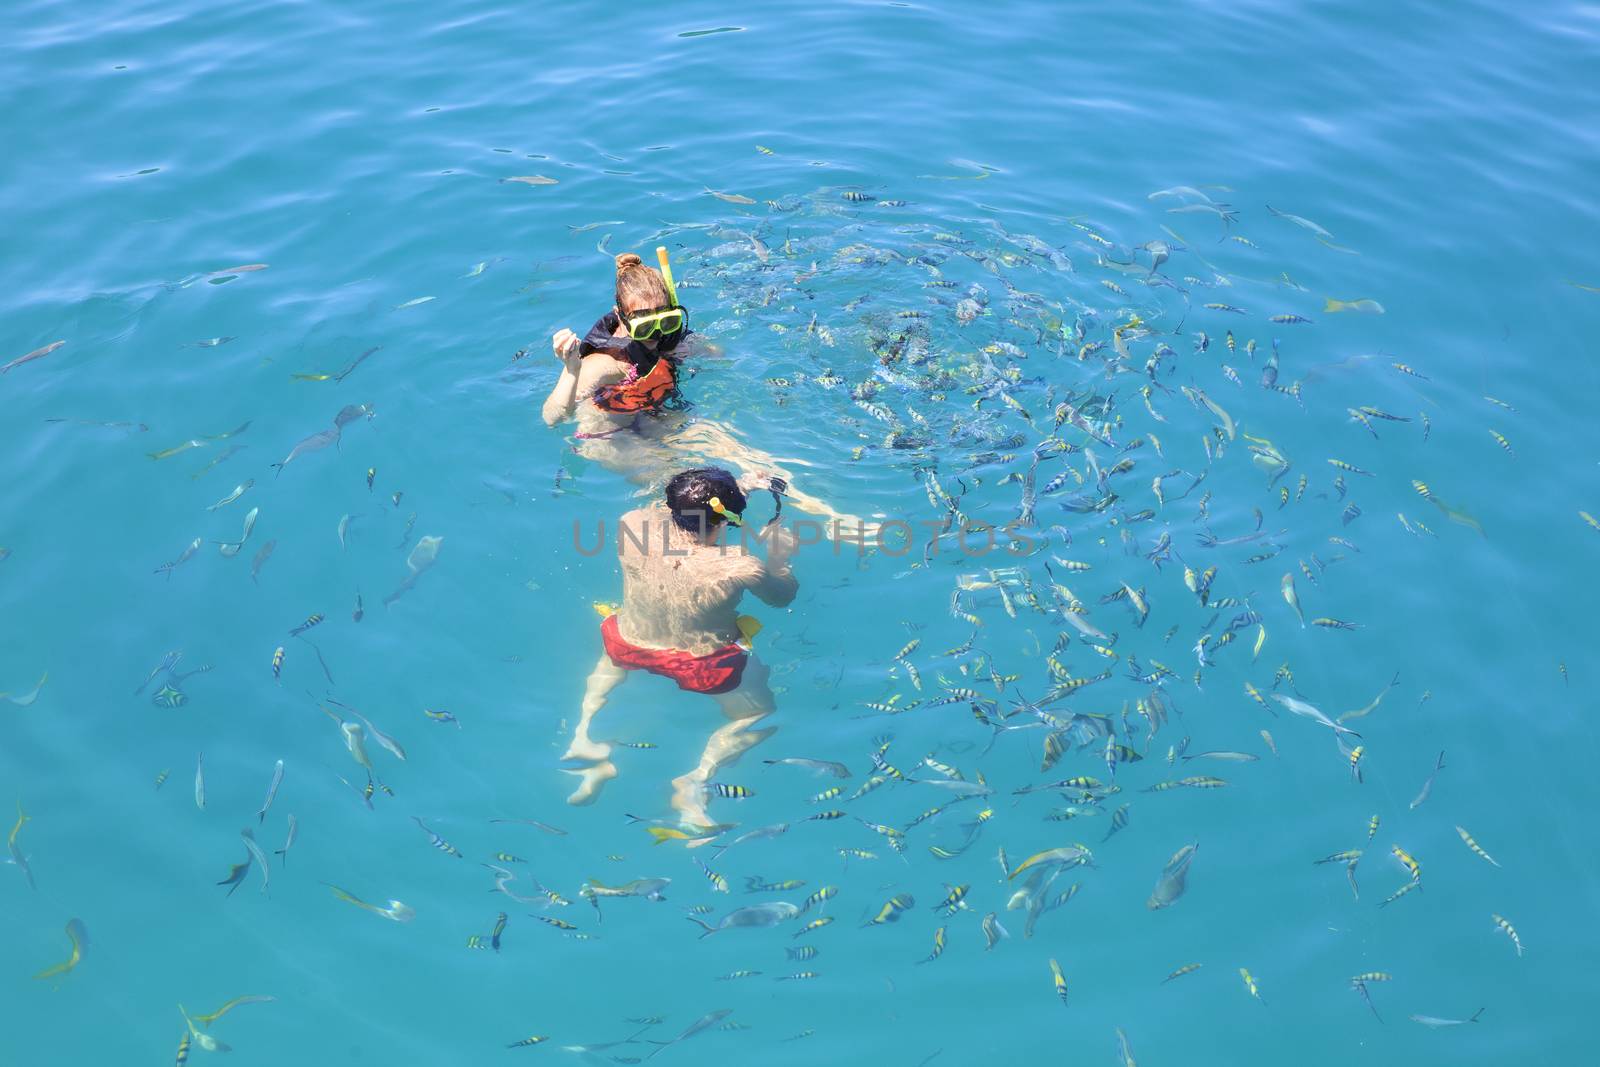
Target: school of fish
x: 1162, y: 557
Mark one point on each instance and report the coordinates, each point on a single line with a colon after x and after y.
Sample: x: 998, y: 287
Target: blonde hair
x: 639, y: 286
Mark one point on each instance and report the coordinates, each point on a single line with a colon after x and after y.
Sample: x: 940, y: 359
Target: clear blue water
x: 359, y: 151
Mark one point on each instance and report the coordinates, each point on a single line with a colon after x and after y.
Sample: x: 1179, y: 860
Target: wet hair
x: 689, y: 493
x: 639, y: 286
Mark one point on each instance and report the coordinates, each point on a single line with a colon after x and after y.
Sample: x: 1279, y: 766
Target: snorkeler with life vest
x: 620, y: 382
x: 637, y: 340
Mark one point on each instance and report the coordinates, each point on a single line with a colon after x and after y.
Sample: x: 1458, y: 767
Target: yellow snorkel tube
x: 715, y: 504
x: 666, y: 273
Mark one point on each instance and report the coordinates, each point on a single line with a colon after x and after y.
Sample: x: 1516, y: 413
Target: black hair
x: 689, y: 493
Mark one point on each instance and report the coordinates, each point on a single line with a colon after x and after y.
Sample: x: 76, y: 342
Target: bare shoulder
x: 635, y: 530
x: 597, y: 369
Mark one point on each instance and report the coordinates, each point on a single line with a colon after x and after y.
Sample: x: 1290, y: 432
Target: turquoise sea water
x: 361, y: 150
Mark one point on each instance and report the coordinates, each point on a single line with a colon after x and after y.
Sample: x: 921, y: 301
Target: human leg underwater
x: 743, y: 707
x: 605, y: 677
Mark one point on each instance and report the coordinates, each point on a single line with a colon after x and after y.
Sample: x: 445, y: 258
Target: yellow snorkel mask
x: 662, y: 321
x: 659, y: 322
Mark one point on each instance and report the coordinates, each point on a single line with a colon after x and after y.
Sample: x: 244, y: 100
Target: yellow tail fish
x: 80, y: 941
x: 236, y: 1002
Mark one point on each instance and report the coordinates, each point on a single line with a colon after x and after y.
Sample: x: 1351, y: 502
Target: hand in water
x: 564, y: 344
x: 752, y: 481
x: 781, y: 545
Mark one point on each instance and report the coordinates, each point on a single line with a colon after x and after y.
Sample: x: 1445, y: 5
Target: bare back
x: 679, y: 592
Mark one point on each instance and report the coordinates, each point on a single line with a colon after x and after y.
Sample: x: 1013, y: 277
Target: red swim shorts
x: 718, y: 672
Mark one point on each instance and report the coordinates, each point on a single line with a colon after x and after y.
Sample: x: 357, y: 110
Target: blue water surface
x: 1443, y: 159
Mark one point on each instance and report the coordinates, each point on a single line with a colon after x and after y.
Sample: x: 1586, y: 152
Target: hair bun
x: 626, y: 260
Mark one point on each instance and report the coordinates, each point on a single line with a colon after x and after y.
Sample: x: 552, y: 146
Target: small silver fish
x: 24, y: 700
x: 259, y: 856
x: 226, y: 453
x: 705, y: 1022
x: 354, y: 741
x: 1124, y: 1050
x: 377, y: 735
x: 422, y: 557
x: 1173, y: 880
x: 272, y: 792
x: 993, y: 932
x: 200, y: 782
x: 203, y: 1040
x: 261, y: 559
x: 284, y: 851
x: 350, y: 413
x: 756, y: 915
x: 316, y: 442
x: 817, y: 766
x: 1427, y: 787
x: 1435, y: 1023
x: 1309, y: 711
x: 184, y: 557
x: 232, y: 548
x: 37, y: 353
x: 238, y: 491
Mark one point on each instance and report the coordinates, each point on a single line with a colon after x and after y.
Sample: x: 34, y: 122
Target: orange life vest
x: 648, y: 392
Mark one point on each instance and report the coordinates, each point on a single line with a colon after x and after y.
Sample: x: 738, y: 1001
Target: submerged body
x: 621, y: 392
x: 679, y: 618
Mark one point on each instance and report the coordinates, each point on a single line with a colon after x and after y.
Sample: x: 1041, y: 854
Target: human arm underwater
x: 776, y: 584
